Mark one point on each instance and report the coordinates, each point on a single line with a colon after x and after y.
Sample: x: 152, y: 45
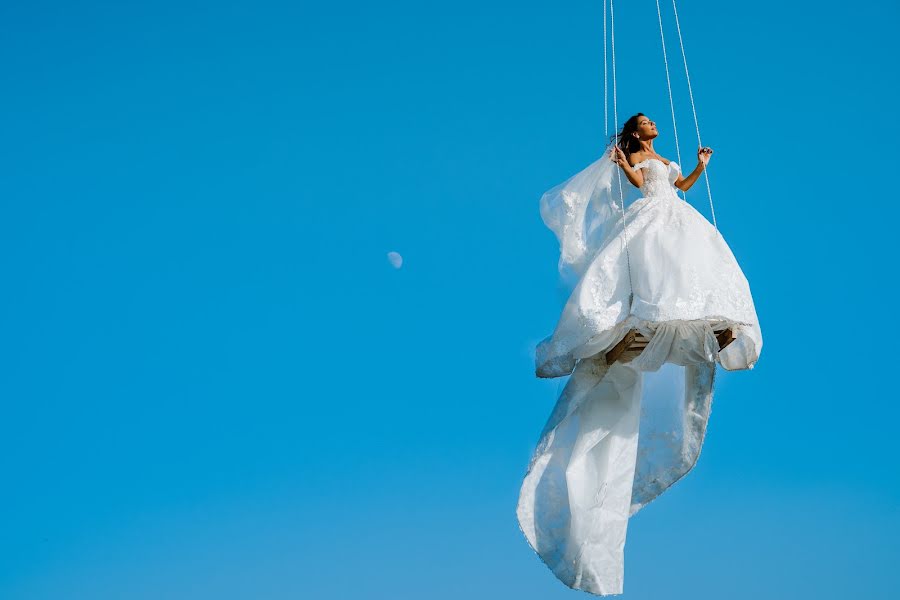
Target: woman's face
x: 646, y: 128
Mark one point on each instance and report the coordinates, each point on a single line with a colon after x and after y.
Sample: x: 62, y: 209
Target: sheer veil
x: 582, y: 210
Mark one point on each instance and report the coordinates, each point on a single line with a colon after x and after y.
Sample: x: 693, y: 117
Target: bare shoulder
x: 636, y: 157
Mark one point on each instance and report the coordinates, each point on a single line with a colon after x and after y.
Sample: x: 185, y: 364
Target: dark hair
x: 625, y: 140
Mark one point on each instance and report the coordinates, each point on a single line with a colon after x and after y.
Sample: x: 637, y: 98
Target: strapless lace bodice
x: 659, y: 178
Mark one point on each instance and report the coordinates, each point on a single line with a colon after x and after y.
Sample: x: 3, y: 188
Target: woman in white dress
x: 622, y: 433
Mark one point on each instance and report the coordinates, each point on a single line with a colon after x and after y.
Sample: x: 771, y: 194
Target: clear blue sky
x: 215, y: 385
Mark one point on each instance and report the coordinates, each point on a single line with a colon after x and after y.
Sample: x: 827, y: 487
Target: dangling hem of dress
x: 586, y: 477
x: 591, y: 470
x: 611, y: 579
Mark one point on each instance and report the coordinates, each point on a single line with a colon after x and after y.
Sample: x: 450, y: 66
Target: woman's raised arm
x: 685, y: 183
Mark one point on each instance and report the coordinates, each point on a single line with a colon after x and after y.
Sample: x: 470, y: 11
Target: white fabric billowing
x: 574, y: 503
x: 581, y: 210
x: 621, y: 434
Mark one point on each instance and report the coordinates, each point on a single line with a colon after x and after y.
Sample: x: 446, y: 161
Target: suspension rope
x: 662, y: 38
x: 693, y: 108
x: 605, y: 92
x: 612, y: 27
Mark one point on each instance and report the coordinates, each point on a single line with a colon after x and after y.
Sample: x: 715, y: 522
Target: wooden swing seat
x: 634, y: 342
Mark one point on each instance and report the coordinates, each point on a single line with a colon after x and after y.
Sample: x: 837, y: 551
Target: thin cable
x: 662, y: 38
x: 605, y: 92
x: 693, y: 109
x: 612, y: 27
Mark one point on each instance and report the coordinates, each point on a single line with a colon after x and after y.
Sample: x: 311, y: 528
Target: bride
x: 622, y: 433
x: 638, y: 135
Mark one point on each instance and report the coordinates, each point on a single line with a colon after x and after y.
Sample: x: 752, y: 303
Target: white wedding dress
x: 621, y: 434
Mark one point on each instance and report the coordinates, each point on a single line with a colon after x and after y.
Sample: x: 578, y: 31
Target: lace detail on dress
x: 659, y: 178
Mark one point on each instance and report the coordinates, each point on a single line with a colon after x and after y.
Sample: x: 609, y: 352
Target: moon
x: 395, y: 259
